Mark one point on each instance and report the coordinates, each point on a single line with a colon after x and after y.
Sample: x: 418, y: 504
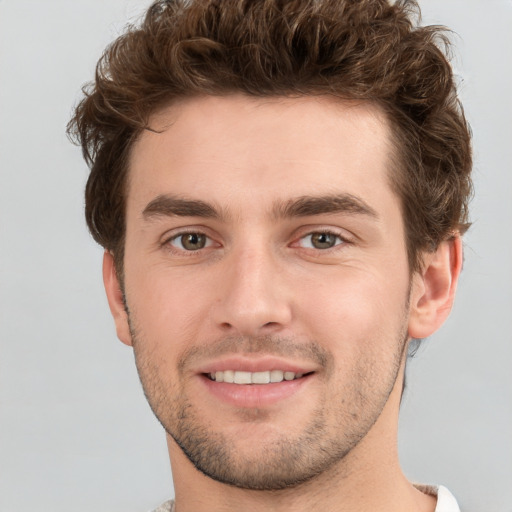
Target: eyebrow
x: 171, y: 206
x: 304, y: 206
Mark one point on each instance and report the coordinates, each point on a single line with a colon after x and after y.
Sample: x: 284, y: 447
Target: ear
x: 433, y: 288
x: 115, y: 299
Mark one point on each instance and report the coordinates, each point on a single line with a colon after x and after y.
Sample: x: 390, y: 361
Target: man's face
x: 264, y: 243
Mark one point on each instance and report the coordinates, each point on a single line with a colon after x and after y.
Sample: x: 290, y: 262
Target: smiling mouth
x: 267, y: 377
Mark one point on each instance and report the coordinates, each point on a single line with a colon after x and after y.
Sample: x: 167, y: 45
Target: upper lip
x: 255, y: 364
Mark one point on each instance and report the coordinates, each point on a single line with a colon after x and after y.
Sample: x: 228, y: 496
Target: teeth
x: 260, y: 378
x: 238, y: 377
x: 276, y: 376
x: 243, y: 378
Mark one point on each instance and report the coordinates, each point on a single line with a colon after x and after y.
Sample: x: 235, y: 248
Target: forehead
x: 247, y: 151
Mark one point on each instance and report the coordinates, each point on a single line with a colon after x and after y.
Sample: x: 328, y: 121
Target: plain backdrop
x: 74, y: 425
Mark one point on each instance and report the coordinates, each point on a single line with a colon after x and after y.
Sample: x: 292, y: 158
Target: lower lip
x: 254, y: 395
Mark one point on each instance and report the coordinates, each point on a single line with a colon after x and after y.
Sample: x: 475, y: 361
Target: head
x: 279, y: 187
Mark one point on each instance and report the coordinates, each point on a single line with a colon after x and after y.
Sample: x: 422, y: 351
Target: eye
x: 320, y: 240
x: 190, y: 241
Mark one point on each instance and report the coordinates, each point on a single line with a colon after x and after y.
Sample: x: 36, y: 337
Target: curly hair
x: 370, y: 50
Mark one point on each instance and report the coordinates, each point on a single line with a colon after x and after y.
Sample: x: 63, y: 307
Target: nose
x: 252, y: 298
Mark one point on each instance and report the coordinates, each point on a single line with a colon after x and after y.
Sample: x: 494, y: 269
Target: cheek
x: 166, y: 309
x: 354, y: 312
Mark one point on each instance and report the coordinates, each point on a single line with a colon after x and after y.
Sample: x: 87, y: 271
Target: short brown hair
x: 370, y: 50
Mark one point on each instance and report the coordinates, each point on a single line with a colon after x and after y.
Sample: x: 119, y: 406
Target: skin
x: 234, y: 173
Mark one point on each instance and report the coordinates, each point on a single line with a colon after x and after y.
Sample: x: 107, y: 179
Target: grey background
x: 74, y: 424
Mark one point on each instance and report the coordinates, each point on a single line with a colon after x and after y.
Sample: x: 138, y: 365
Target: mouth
x: 255, y: 383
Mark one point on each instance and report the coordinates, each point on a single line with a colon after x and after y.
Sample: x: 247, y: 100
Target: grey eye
x: 321, y: 240
x: 190, y: 241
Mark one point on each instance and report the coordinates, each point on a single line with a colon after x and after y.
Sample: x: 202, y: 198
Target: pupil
x: 193, y: 241
x: 323, y: 240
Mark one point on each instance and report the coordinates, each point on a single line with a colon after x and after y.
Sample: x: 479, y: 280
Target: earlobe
x: 433, y: 289
x: 115, y: 299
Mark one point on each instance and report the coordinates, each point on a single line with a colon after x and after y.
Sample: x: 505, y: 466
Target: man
x: 281, y: 188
